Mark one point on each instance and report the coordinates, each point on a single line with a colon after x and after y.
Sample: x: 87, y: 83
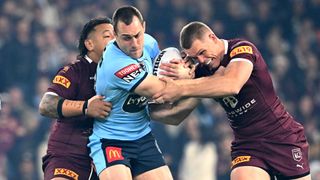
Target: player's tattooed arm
x: 95, y: 107
x: 48, y: 105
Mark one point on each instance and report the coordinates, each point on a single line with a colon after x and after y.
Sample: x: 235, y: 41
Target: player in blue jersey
x: 122, y: 145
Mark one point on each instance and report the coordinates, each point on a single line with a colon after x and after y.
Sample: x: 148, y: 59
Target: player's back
x: 117, y: 77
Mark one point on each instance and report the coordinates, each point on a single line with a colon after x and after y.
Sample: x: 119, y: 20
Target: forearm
x: 150, y: 86
x: 49, y: 107
x: 208, y: 87
x: 175, y: 113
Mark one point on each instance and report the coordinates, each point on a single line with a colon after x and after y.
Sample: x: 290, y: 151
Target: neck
x: 94, y: 57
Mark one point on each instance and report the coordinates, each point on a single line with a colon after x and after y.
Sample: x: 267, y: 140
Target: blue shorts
x: 140, y: 155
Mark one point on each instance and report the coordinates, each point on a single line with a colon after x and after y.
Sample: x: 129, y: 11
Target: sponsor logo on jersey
x: 241, y: 50
x: 240, y: 159
x: 157, y: 63
x: 296, y: 154
x: 66, y: 172
x: 62, y: 81
x: 134, y: 103
x: 232, y: 102
x: 129, y: 73
x: 113, y: 154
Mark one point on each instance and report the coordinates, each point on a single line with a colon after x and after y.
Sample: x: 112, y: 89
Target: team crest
x: 297, y: 154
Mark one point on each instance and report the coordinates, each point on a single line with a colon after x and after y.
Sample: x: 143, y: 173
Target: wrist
x: 59, y: 108
x: 85, y: 108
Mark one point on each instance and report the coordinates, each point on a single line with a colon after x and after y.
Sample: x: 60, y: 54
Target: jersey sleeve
x: 151, y: 45
x: 243, y: 51
x: 65, y: 82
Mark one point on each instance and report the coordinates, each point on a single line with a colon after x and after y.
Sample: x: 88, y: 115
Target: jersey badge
x: 62, y: 81
x: 296, y: 154
x: 241, y: 50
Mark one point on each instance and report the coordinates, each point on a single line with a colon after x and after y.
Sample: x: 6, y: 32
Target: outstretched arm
x: 175, y: 113
x: 54, y: 106
x: 225, y: 82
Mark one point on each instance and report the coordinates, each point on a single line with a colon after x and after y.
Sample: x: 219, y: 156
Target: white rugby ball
x: 165, y: 56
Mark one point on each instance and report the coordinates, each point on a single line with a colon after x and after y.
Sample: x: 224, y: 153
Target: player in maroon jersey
x: 71, y: 99
x: 268, y: 141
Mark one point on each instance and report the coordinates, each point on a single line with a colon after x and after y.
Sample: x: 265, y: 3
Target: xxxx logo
x: 66, y: 172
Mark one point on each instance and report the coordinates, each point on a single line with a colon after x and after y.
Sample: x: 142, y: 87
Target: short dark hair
x: 190, y: 32
x: 87, y: 28
x: 125, y: 14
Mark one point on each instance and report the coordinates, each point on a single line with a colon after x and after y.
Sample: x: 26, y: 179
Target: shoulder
x: 241, y: 46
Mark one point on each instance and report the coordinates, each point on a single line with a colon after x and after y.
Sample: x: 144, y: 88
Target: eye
x: 126, y: 38
x: 202, y: 52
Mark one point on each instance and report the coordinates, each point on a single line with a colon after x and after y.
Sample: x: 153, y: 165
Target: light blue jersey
x: 117, y: 77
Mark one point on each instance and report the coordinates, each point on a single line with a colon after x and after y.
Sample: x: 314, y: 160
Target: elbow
x: 166, y: 119
x: 42, y: 109
x: 234, y: 89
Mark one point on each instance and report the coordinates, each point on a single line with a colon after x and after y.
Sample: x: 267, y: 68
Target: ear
x: 89, y: 44
x: 212, y: 36
x: 144, y: 26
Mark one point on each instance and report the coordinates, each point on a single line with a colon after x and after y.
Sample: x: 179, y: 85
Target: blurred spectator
x: 199, y: 160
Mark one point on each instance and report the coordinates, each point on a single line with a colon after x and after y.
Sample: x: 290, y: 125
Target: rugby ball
x: 165, y: 56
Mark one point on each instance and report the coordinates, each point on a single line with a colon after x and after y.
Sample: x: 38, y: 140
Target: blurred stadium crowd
x: 39, y: 36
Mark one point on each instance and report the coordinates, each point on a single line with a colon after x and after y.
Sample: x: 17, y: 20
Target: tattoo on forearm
x: 49, y: 106
x: 76, y: 104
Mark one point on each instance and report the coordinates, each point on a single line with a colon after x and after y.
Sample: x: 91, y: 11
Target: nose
x: 201, y: 59
x: 135, y: 42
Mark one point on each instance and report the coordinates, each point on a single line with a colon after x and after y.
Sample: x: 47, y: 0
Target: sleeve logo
x: 113, y: 154
x: 240, y: 159
x: 129, y: 72
x: 241, y: 50
x: 62, y: 81
x: 66, y: 172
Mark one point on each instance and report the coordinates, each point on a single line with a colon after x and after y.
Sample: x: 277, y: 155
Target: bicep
x: 239, y: 71
x: 149, y: 86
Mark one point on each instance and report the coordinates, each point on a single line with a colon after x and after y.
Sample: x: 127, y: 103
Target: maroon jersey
x: 256, y: 106
x: 266, y: 135
x: 74, y: 82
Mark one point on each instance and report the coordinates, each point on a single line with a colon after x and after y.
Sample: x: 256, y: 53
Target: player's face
x: 130, y: 38
x: 102, y: 34
x: 206, y: 51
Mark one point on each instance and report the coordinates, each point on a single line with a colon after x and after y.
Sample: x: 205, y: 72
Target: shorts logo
x: 62, y: 81
x: 296, y: 154
x: 113, y: 154
x: 129, y: 73
x: 240, y: 159
x: 241, y: 50
x: 66, y: 172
